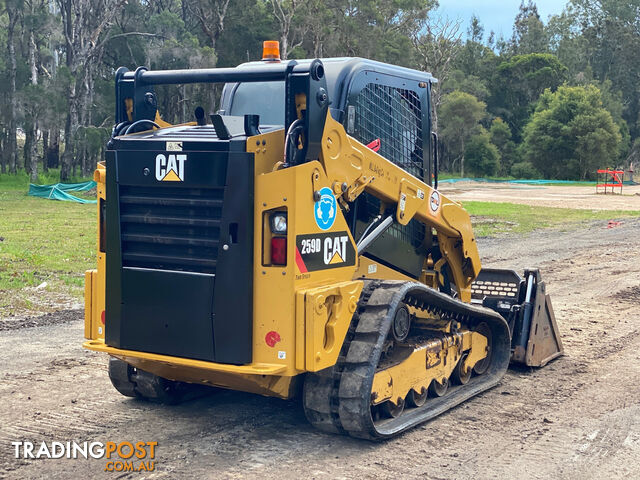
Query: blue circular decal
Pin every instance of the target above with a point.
(325, 209)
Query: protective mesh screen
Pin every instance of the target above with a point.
(394, 116)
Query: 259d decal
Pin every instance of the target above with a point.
(322, 251)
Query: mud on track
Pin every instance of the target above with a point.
(577, 418)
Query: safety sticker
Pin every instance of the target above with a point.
(325, 209)
(434, 201)
(324, 250)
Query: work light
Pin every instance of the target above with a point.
(279, 223)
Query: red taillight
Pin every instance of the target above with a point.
(102, 317)
(279, 251)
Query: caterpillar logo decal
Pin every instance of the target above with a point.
(170, 168)
(324, 250)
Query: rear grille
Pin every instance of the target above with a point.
(170, 228)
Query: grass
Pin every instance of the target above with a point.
(41, 241)
(491, 218)
(54, 242)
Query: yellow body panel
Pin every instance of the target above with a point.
(350, 162)
(328, 311)
(301, 317)
(434, 360)
(94, 285)
(322, 328)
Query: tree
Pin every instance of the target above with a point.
(524, 170)
(291, 33)
(528, 31)
(460, 115)
(517, 84)
(35, 26)
(570, 134)
(437, 43)
(84, 24)
(474, 57)
(482, 156)
(610, 29)
(473, 65)
(13, 8)
(500, 135)
(211, 15)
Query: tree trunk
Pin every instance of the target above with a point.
(12, 144)
(462, 160)
(53, 153)
(45, 150)
(30, 156)
(3, 152)
(33, 161)
(28, 142)
(284, 44)
(70, 129)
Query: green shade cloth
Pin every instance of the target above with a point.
(58, 191)
(527, 182)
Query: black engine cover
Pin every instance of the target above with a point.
(179, 223)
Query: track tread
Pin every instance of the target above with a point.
(347, 397)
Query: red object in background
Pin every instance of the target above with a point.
(272, 338)
(613, 224)
(375, 145)
(102, 317)
(279, 250)
(610, 178)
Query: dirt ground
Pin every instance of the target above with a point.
(577, 418)
(580, 197)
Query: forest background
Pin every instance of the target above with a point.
(557, 99)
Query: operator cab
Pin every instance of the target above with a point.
(384, 106)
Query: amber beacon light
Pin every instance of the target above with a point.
(271, 51)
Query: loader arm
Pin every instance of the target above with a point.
(352, 169)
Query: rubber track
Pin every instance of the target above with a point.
(137, 383)
(337, 399)
(320, 394)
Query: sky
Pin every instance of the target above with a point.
(496, 15)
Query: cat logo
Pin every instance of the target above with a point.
(170, 169)
(324, 250)
(335, 250)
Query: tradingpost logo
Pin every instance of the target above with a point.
(119, 456)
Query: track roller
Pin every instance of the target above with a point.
(417, 399)
(460, 376)
(392, 410)
(481, 367)
(439, 389)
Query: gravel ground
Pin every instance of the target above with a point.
(579, 417)
(580, 197)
